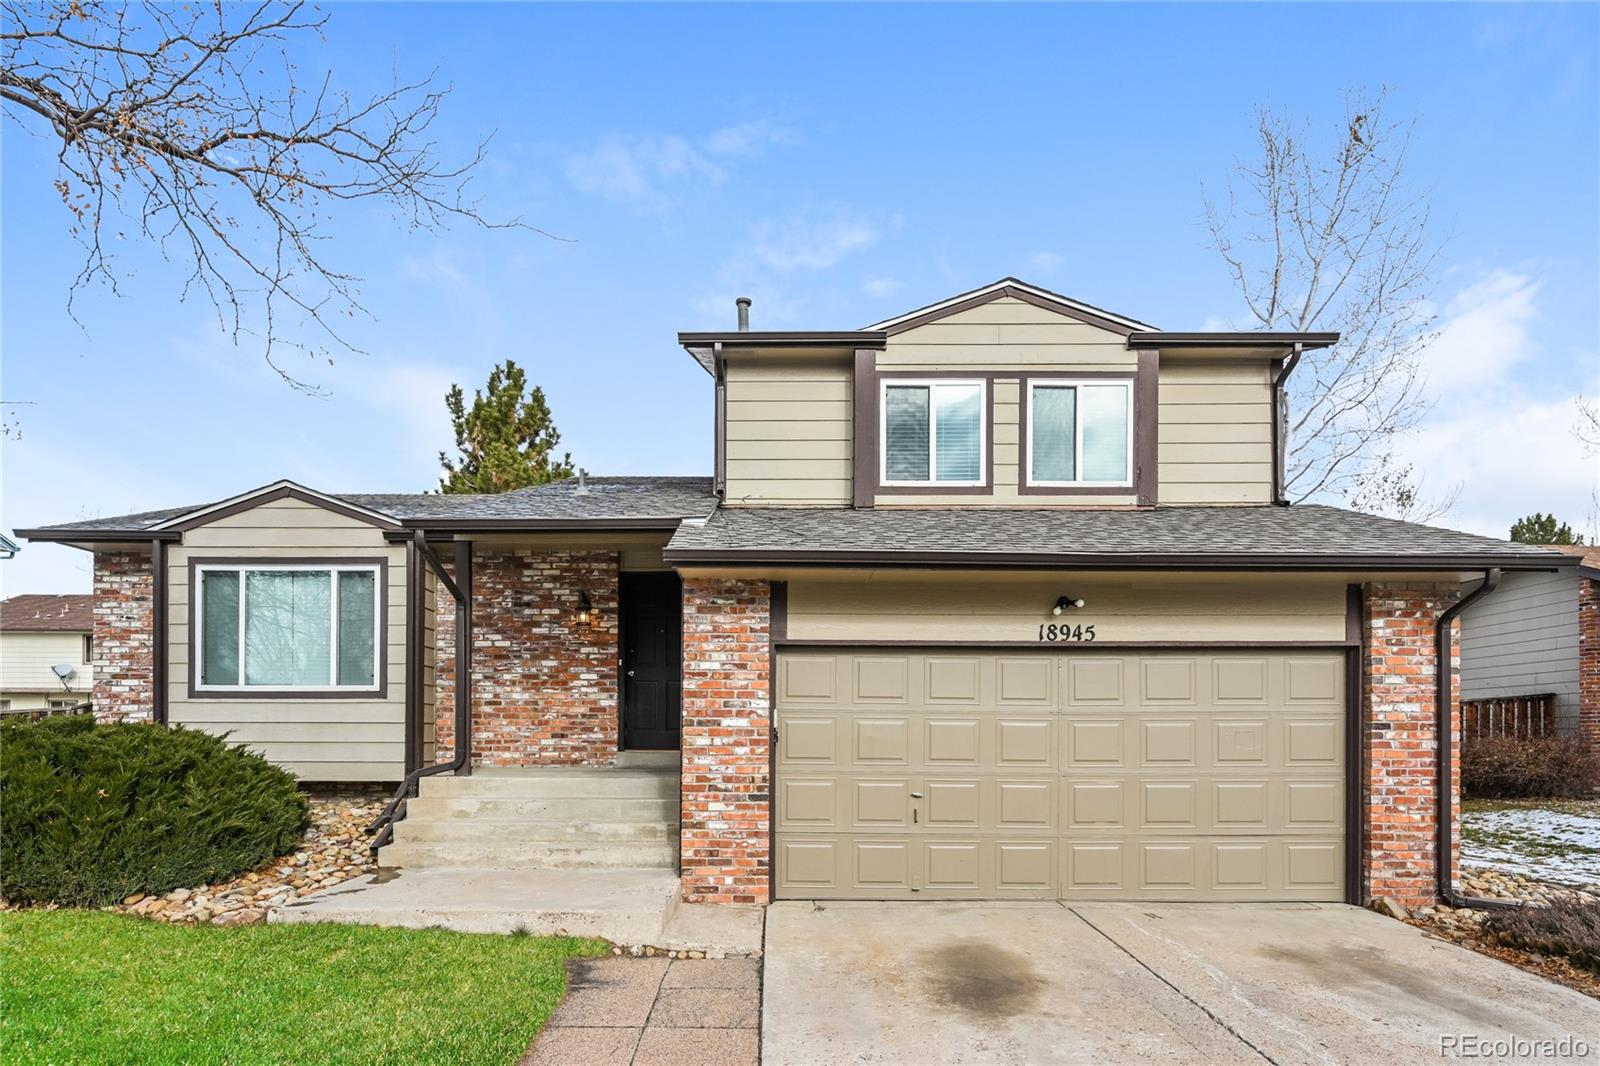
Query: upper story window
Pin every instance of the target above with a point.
(933, 432)
(1080, 433)
(287, 627)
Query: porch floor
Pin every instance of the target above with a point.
(628, 907)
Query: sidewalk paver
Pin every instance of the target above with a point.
(653, 1011)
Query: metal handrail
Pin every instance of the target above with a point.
(383, 824)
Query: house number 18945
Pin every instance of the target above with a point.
(1052, 631)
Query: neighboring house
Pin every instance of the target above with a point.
(994, 599)
(46, 652)
(1539, 635)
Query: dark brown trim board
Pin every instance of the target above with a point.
(751, 338)
(1235, 339)
(1085, 647)
(1061, 305)
(777, 629)
(1355, 753)
(977, 560)
(778, 611)
(1146, 428)
(414, 634)
(206, 515)
(160, 632)
(864, 454)
(380, 670)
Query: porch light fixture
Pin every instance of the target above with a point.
(585, 607)
(1064, 603)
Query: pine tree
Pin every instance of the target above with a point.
(505, 440)
(1543, 529)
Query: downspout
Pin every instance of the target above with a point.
(1444, 724)
(461, 761)
(1280, 425)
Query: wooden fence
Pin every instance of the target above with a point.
(1508, 716)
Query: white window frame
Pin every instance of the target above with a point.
(1126, 385)
(333, 570)
(885, 384)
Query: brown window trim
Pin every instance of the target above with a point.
(380, 670)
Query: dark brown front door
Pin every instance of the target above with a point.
(652, 660)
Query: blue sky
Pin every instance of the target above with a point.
(839, 164)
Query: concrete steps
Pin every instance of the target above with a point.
(552, 818)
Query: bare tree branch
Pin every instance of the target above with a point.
(1329, 238)
(193, 123)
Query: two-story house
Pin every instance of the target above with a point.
(46, 652)
(994, 599)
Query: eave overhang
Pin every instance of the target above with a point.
(1222, 563)
(1268, 342)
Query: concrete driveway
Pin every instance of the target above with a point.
(1110, 983)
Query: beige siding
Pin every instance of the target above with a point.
(1007, 333)
(318, 739)
(980, 608)
(789, 433)
(25, 662)
(1214, 437)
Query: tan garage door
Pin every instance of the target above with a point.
(1079, 775)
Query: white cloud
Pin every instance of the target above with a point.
(640, 171)
(1485, 333)
(632, 172)
(808, 241)
(1502, 436)
(882, 288)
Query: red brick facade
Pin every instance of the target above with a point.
(123, 650)
(1400, 746)
(544, 684)
(727, 734)
(1589, 661)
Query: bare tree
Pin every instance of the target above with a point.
(1587, 425)
(193, 123)
(1326, 236)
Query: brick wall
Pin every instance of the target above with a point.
(727, 791)
(1401, 809)
(544, 687)
(1589, 661)
(123, 647)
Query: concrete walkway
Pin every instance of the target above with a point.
(654, 1012)
(1003, 983)
(629, 907)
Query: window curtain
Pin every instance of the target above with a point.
(357, 623)
(288, 627)
(1052, 421)
(1105, 432)
(958, 423)
(219, 626)
(906, 433)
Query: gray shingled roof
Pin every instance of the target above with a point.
(1302, 532)
(606, 498)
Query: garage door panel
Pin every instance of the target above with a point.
(1085, 775)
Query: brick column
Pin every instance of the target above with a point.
(1401, 746)
(124, 591)
(1589, 661)
(727, 736)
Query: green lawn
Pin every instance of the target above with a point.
(91, 987)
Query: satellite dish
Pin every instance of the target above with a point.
(64, 673)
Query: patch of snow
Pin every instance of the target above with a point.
(1546, 845)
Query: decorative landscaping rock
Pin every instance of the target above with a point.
(333, 851)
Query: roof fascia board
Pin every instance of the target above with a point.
(737, 339)
(1125, 561)
(1017, 290)
(86, 538)
(278, 490)
(1240, 339)
(532, 525)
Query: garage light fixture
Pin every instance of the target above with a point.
(585, 607)
(1065, 603)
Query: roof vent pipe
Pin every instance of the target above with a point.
(583, 482)
(743, 304)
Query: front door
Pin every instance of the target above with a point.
(652, 660)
